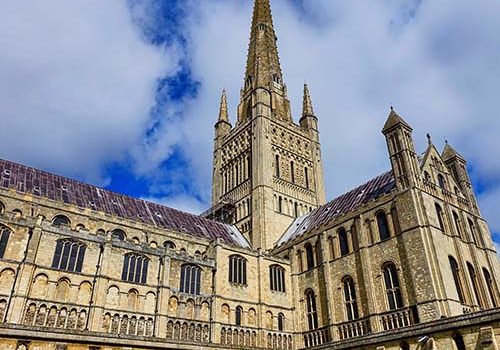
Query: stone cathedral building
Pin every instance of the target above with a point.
(404, 261)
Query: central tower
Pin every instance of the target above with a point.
(267, 166)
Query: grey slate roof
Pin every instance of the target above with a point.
(29, 180)
(341, 205)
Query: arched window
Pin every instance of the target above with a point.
(69, 255)
(135, 268)
(2, 208)
(61, 220)
(395, 221)
(441, 181)
(306, 177)
(427, 177)
(277, 278)
(392, 288)
(404, 346)
(292, 171)
(311, 312)
(300, 260)
(281, 322)
(280, 204)
(351, 305)
(318, 250)
(169, 245)
(472, 231)
(456, 277)
(456, 220)
(343, 241)
(440, 215)
(238, 314)
(475, 286)
(309, 256)
(4, 239)
(237, 269)
(459, 341)
(118, 234)
(190, 279)
(354, 236)
(296, 209)
(277, 165)
(491, 287)
(383, 227)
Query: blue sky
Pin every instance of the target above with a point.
(124, 94)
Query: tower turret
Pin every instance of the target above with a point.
(458, 168)
(398, 134)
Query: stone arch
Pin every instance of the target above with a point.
(251, 318)
(269, 320)
(149, 304)
(133, 300)
(173, 306)
(189, 309)
(6, 280)
(84, 293)
(63, 289)
(225, 313)
(113, 297)
(205, 311)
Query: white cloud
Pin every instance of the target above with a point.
(77, 84)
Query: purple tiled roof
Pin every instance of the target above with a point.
(25, 179)
(341, 205)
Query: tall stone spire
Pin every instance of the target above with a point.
(307, 107)
(223, 114)
(263, 64)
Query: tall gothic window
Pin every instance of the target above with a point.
(491, 287)
(292, 171)
(238, 314)
(459, 341)
(383, 227)
(475, 286)
(392, 288)
(317, 249)
(190, 279)
(135, 268)
(306, 177)
(280, 204)
(61, 220)
(343, 241)
(237, 269)
(472, 231)
(277, 165)
(440, 215)
(277, 278)
(300, 260)
(354, 236)
(456, 220)
(281, 322)
(395, 221)
(441, 182)
(351, 305)
(4, 239)
(456, 277)
(311, 312)
(309, 256)
(69, 255)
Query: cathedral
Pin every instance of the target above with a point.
(403, 261)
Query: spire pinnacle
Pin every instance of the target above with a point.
(394, 120)
(263, 64)
(223, 114)
(307, 107)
